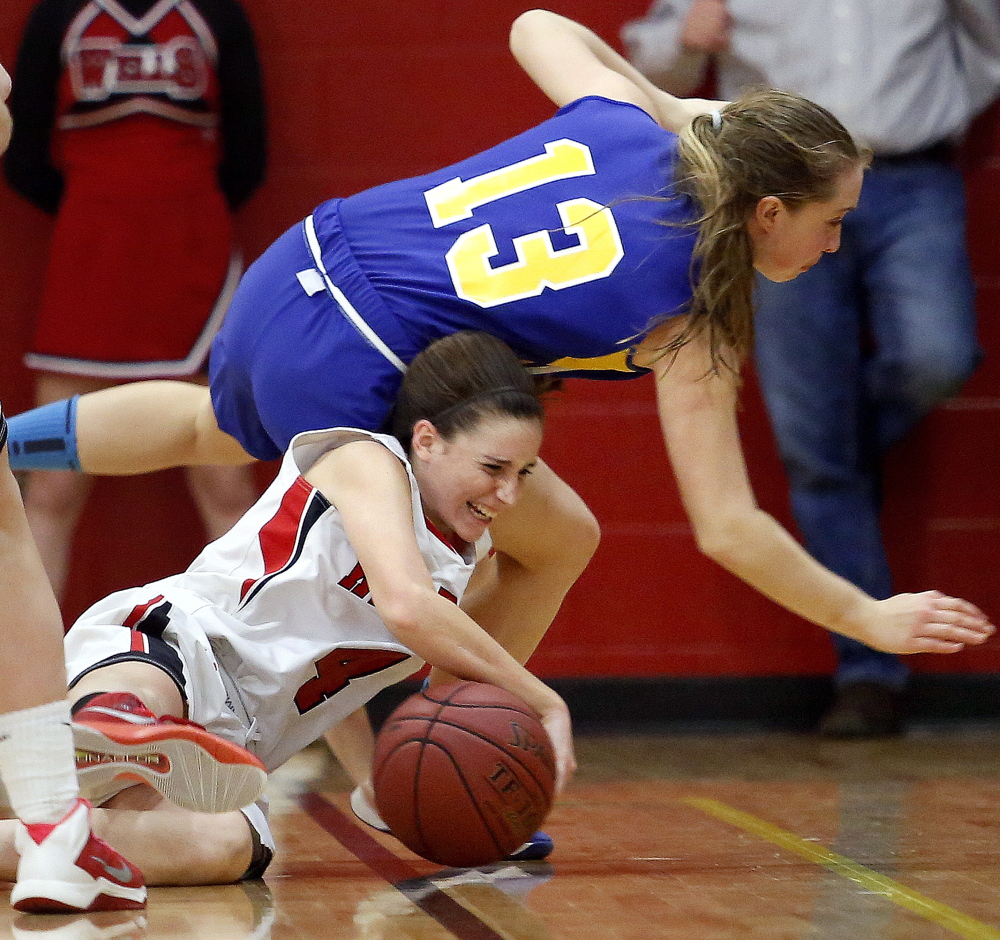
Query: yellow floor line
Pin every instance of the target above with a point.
(913, 901)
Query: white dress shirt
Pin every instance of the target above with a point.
(901, 74)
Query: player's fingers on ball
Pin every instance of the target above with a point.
(569, 764)
(564, 773)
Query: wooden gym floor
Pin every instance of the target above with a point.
(687, 837)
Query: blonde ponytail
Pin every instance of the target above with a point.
(766, 143)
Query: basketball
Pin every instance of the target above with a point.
(464, 773)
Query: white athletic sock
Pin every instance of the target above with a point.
(37, 762)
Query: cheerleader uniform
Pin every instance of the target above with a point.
(128, 120)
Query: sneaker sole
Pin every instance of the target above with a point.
(189, 766)
(56, 897)
(38, 898)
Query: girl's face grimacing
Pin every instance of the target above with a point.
(787, 242)
(467, 480)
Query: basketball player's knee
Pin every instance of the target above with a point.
(226, 854)
(234, 863)
(565, 548)
(579, 536)
(561, 547)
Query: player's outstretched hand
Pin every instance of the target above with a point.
(929, 622)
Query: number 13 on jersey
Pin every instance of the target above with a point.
(539, 264)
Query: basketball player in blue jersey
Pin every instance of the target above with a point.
(59, 865)
(619, 237)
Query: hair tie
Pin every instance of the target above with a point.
(716, 119)
(482, 396)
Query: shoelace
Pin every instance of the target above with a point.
(173, 719)
(181, 721)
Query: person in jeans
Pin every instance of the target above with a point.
(854, 352)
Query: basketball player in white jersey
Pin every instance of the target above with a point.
(342, 579)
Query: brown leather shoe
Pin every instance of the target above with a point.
(864, 710)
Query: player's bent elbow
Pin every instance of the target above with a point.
(723, 541)
(404, 611)
(587, 533)
(528, 30)
(527, 21)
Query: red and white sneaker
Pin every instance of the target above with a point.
(118, 740)
(65, 868)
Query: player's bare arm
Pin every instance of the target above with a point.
(369, 487)
(698, 418)
(568, 61)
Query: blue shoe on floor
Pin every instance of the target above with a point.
(539, 846)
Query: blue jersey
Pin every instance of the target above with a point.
(565, 242)
(549, 241)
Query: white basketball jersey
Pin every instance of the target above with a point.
(284, 603)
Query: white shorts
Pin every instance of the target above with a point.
(210, 702)
(89, 645)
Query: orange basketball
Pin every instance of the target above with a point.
(464, 773)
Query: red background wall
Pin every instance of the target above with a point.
(363, 91)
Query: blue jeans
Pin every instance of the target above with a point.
(853, 353)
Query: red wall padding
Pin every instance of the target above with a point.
(363, 91)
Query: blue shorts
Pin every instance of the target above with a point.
(287, 360)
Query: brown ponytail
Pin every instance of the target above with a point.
(458, 380)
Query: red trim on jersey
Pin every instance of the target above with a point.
(140, 642)
(459, 545)
(278, 536)
(140, 611)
